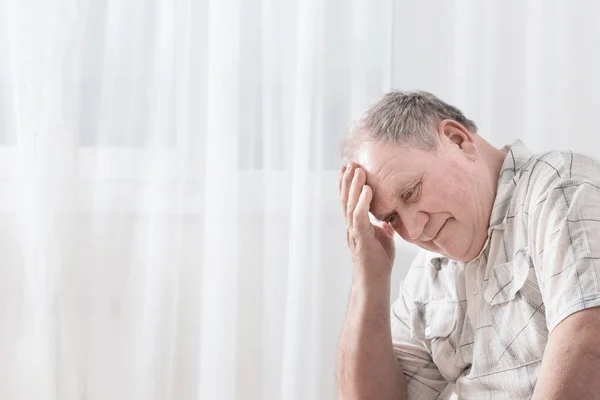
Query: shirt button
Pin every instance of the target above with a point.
(428, 331)
(475, 290)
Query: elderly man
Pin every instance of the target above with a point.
(502, 299)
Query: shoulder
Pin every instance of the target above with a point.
(552, 170)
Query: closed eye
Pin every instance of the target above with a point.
(412, 192)
(390, 218)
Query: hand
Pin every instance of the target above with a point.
(372, 246)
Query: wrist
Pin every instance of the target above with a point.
(369, 279)
(371, 287)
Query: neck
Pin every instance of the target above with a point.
(492, 157)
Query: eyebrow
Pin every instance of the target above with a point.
(396, 193)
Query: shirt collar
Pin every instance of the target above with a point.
(510, 173)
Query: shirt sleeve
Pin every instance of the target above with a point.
(566, 239)
(423, 379)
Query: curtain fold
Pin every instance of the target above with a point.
(169, 219)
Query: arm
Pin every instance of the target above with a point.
(567, 263)
(366, 365)
(571, 364)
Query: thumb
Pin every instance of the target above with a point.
(387, 228)
(385, 233)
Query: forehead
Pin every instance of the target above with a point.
(387, 164)
(390, 169)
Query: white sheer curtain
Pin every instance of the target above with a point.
(169, 223)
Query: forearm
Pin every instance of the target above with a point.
(367, 367)
(562, 379)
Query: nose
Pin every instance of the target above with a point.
(413, 223)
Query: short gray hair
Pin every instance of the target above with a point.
(407, 118)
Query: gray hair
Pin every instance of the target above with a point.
(406, 118)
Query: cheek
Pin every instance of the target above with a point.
(454, 197)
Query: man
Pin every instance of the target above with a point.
(501, 300)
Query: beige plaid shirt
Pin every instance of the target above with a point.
(483, 325)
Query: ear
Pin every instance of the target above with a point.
(453, 133)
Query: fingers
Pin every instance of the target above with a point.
(346, 180)
(356, 187)
(360, 219)
(356, 198)
(341, 179)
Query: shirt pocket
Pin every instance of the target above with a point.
(515, 333)
(434, 319)
(504, 282)
(434, 324)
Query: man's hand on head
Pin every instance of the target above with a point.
(372, 246)
(367, 367)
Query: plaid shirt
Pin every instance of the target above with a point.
(483, 325)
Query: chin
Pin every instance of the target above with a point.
(459, 253)
(453, 256)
